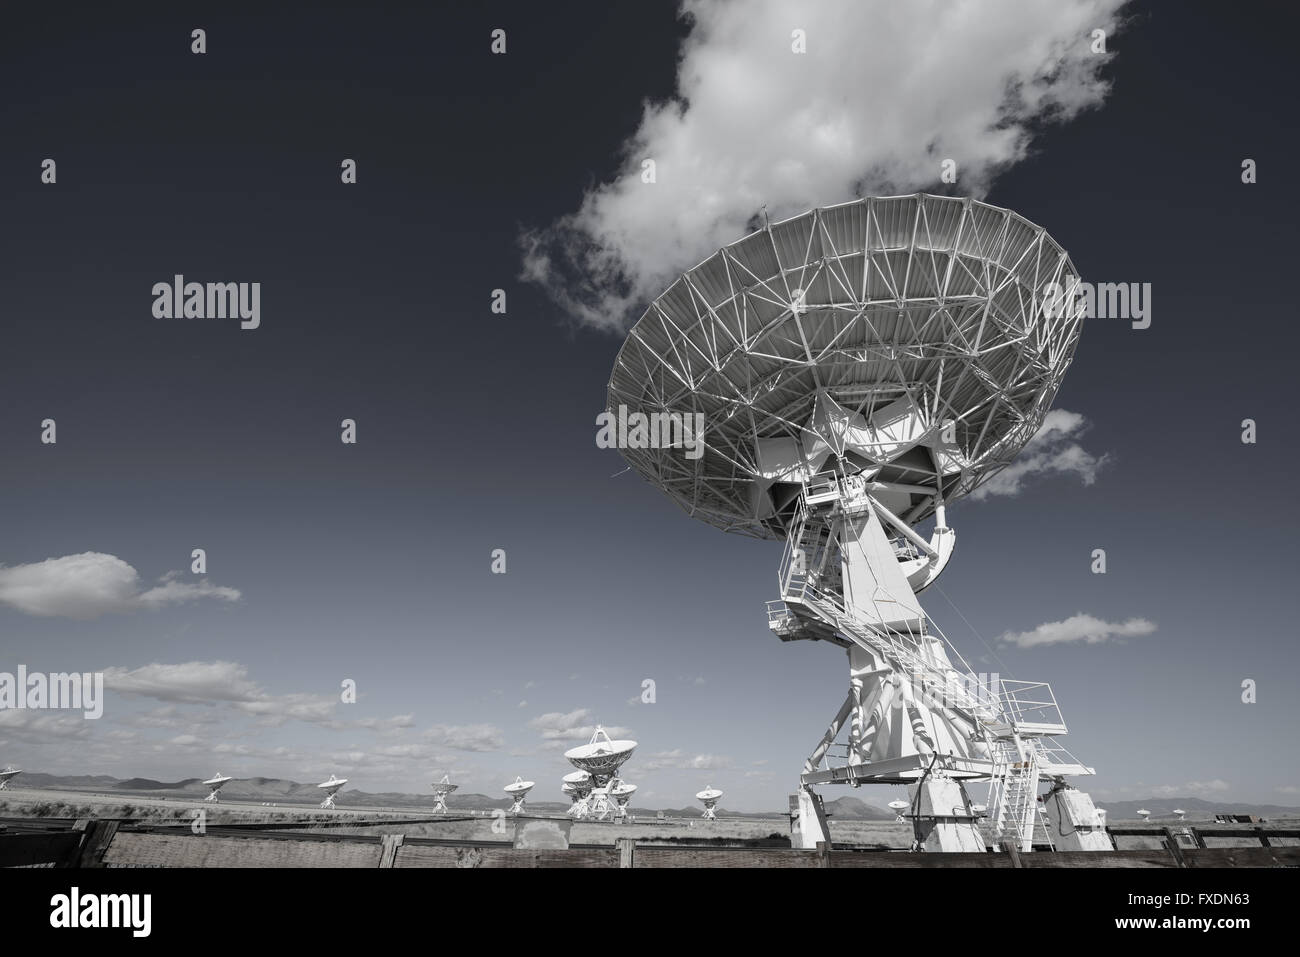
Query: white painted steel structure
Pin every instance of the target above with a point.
(331, 788)
(621, 792)
(578, 785)
(214, 785)
(857, 369)
(9, 773)
(518, 790)
(599, 759)
(709, 797)
(441, 789)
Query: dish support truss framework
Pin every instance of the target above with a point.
(912, 716)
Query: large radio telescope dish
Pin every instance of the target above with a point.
(834, 380)
(905, 336)
(601, 757)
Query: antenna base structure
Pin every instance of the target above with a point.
(835, 380)
(915, 714)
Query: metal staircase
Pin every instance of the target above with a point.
(1017, 813)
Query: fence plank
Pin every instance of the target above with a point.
(1243, 857)
(103, 844)
(910, 859)
(58, 848)
(723, 857)
(186, 850)
(424, 855)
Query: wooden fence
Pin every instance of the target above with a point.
(91, 843)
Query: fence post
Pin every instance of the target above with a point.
(626, 851)
(390, 844)
(99, 834)
(1171, 841)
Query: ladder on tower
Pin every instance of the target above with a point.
(1018, 814)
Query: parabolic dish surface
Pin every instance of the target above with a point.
(903, 337)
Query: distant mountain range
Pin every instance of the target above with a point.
(1197, 809)
(281, 791)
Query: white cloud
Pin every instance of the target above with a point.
(1052, 450)
(558, 724)
(396, 723)
(467, 737)
(92, 584)
(1080, 627)
(562, 730)
(228, 683)
(884, 93)
(29, 724)
(190, 681)
(680, 760)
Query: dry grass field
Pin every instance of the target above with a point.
(35, 802)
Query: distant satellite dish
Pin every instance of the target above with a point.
(518, 791)
(621, 792)
(578, 785)
(577, 781)
(331, 788)
(709, 797)
(1180, 812)
(8, 774)
(898, 807)
(1143, 813)
(600, 758)
(214, 785)
(440, 791)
